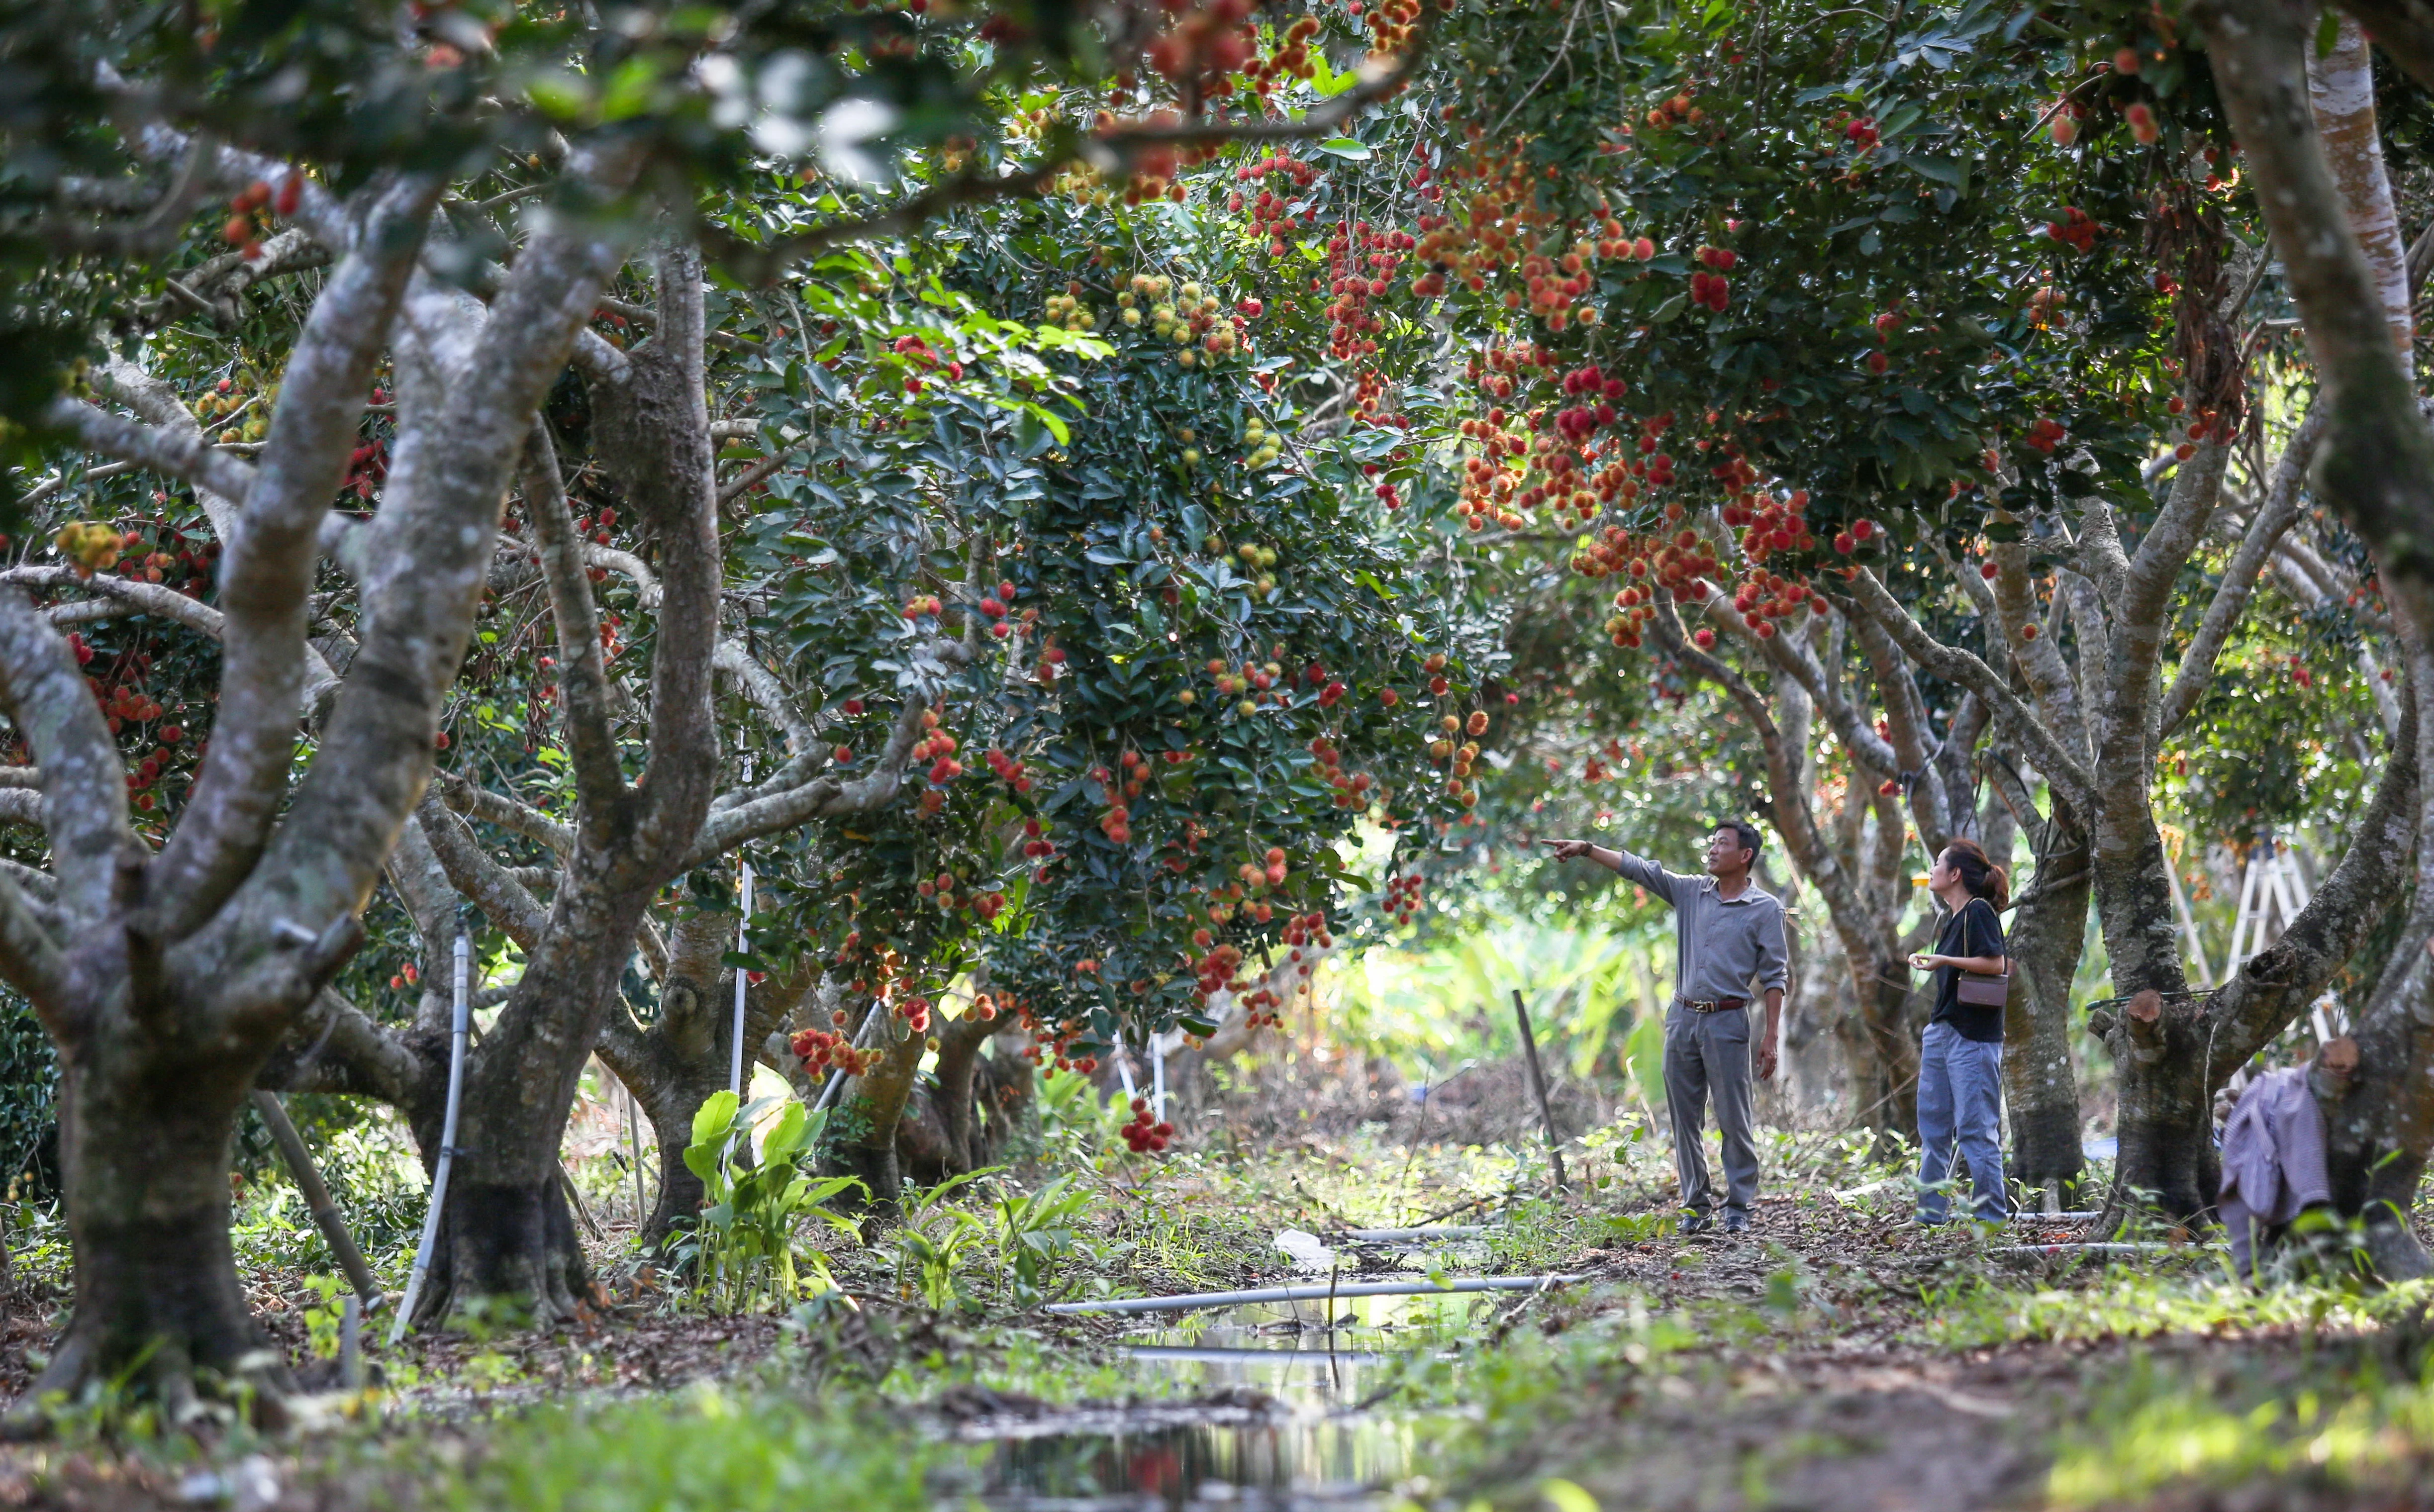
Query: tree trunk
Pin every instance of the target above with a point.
(686, 1055)
(2167, 1160)
(959, 1053)
(2341, 92)
(2380, 1124)
(2165, 1123)
(507, 1232)
(1005, 1099)
(861, 1134)
(1889, 1096)
(144, 1153)
(2046, 937)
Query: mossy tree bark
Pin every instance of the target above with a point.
(169, 980)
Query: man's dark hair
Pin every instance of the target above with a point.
(1745, 832)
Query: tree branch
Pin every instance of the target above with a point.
(2040, 660)
(267, 570)
(767, 693)
(1906, 717)
(1955, 665)
(667, 472)
(2376, 465)
(470, 872)
(582, 673)
(2273, 519)
(431, 549)
(824, 798)
(186, 457)
(84, 783)
(492, 808)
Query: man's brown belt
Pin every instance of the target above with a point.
(1719, 1006)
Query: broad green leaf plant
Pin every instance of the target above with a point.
(743, 1254)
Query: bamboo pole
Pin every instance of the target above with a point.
(1538, 1087)
(323, 1207)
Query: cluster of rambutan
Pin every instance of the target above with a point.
(1145, 1135)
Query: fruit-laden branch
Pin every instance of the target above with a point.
(185, 457)
(1953, 664)
(2376, 465)
(266, 570)
(1112, 150)
(1791, 656)
(128, 595)
(830, 796)
(582, 670)
(2273, 519)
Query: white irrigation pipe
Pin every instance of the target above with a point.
(1158, 1079)
(1313, 1292)
(743, 947)
(861, 1041)
(1212, 1355)
(2106, 1247)
(460, 1026)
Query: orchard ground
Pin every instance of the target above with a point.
(1837, 1357)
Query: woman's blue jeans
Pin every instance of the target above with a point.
(1959, 1102)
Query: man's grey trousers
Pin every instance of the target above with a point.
(1710, 1053)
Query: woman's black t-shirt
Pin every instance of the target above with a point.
(1972, 931)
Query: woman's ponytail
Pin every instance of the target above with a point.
(1978, 873)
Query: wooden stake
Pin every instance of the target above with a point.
(1538, 1086)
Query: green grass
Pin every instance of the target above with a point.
(716, 1448)
(2140, 1302)
(2165, 1433)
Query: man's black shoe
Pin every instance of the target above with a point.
(1737, 1222)
(1693, 1223)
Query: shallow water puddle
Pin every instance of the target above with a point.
(1250, 1406)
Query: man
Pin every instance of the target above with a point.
(1728, 932)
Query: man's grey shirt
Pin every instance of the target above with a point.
(1721, 945)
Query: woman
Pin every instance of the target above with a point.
(1961, 1058)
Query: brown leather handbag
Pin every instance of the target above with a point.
(1986, 991)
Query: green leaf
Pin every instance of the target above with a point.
(785, 1136)
(2328, 31)
(1953, 171)
(714, 1118)
(1344, 147)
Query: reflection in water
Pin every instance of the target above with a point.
(1287, 1423)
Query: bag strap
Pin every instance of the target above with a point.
(2005, 974)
